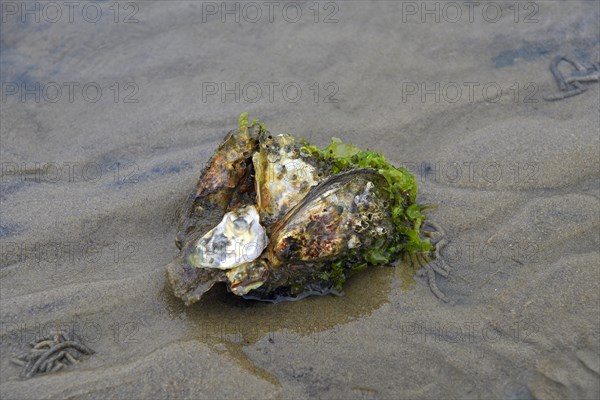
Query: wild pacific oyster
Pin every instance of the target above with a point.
(327, 214)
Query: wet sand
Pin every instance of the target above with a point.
(514, 178)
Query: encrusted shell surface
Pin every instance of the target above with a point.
(347, 211)
(283, 175)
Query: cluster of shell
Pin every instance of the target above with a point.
(267, 219)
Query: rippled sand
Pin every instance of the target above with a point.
(515, 180)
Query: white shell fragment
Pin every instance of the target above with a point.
(239, 238)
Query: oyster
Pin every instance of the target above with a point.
(348, 211)
(277, 219)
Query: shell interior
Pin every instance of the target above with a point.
(239, 238)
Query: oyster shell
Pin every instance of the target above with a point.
(284, 175)
(277, 219)
(222, 182)
(349, 210)
(239, 238)
(248, 277)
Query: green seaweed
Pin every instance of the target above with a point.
(243, 120)
(406, 212)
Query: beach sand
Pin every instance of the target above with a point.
(91, 191)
